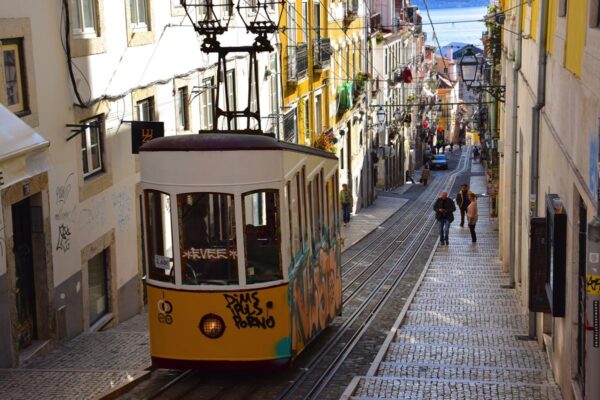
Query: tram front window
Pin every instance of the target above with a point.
(263, 242)
(207, 239)
(159, 236)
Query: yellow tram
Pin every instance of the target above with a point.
(242, 249)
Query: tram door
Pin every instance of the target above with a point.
(26, 329)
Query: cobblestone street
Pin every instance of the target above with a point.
(458, 338)
(82, 368)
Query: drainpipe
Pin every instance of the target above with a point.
(535, 129)
(513, 151)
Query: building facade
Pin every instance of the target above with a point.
(549, 176)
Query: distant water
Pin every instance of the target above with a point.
(457, 31)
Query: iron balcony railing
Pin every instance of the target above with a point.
(322, 52)
(297, 64)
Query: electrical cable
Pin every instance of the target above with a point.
(67, 47)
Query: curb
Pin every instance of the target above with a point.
(125, 386)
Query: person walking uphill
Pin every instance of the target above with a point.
(346, 202)
(425, 175)
(472, 214)
(462, 201)
(444, 212)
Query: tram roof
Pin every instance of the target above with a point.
(227, 142)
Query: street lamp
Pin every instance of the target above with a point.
(471, 66)
(381, 116)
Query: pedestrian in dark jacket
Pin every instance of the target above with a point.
(425, 175)
(444, 213)
(462, 201)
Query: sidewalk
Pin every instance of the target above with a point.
(93, 364)
(457, 338)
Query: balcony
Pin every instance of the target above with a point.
(351, 11)
(322, 53)
(297, 62)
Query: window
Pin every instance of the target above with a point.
(562, 8)
(290, 31)
(304, 208)
(290, 127)
(159, 236)
(296, 232)
(207, 239)
(182, 109)
(274, 89)
(145, 109)
(227, 9)
(231, 94)
(300, 207)
(207, 100)
(91, 146)
(316, 203)
(317, 19)
(262, 237)
(385, 62)
(306, 122)
(138, 15)
(98, 286)
(14, 75)
(304, 22)
(318, 114)
(253, 6)
(83, 18)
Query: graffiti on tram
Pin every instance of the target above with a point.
(316, 295)
(247, 311)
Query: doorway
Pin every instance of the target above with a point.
(581, 297)
(26, 328)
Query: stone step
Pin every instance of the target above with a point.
(473, 356)
(457, 301)
(497, 294)
(371, 388)
(468, 309)
(465, 320)
(475, 338)
(461, 372)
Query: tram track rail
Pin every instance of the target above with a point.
(351, 328)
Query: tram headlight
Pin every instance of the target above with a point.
(212, 326)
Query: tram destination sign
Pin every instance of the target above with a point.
(143, 132)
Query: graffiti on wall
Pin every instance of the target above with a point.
(62, 196)
(247, 311)
(64, 238)
(93, 215)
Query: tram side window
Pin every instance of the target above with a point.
(207, 238)
(262, 236)
(297, 214)
(304, 206)
(330, 207)
(159, 236)
(317, 210)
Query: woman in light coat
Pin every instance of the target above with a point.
(472, 214)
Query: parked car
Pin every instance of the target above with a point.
(439, 161)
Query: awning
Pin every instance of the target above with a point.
(23, 151)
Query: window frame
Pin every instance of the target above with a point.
(140, 103)
(304, 16)
(147, 237)
(207, 102)
(278, 238)
(231, 94)
(15, 45)
(137, 25)
(182, 109)
(86, 139)
(77, 20)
